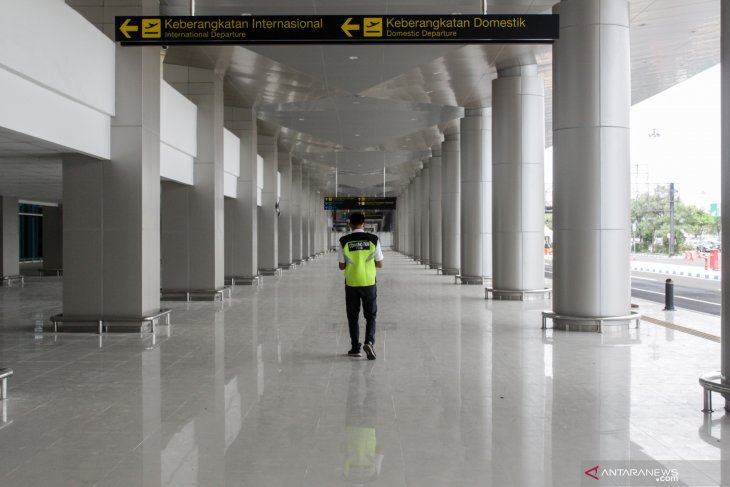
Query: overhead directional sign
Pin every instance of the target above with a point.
(337, 29)
(359, 203)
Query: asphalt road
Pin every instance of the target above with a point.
(696, 294)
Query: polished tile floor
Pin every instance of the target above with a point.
(257, 391)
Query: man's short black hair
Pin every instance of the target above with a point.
(357, 219)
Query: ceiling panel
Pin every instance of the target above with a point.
(408, 95)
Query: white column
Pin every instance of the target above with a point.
(519, 181)
(111, 210)
(9, 237)
(417, 210)
(413, 214)
(192, 216)
(591, 203)
(725, 137)
(450, 204)
(434, 208)
(268, 221)
(241, 213)
(306, 185)
(285, 210)
(296, 212)
(476, 193)
(425, 215)
(313, 221)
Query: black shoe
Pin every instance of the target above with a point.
(369, 351)
(354, 353)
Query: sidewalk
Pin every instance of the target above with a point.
(673, 267)
(687, 321)
(664, 265)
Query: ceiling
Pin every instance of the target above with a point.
(372, 113)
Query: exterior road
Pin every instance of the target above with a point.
(696, 294)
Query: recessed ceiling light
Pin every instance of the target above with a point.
(353, 58)
(357, 135)
(413, 119)
(408, 138)
(355, 102)
(301, 119)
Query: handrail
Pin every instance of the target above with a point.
(709, 385)
(60, 318)
(4, 374)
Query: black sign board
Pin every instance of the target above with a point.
(361, 203)
(336, 29)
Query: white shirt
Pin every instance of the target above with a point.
(378, 250)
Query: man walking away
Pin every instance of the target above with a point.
(360, 254)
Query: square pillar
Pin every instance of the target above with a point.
(241, 213)
(268, 232)
(192, 216)
(9, 237)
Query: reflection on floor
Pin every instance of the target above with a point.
(257, 391)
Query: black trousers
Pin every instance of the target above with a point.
(369, 297)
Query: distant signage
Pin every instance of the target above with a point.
(715, 209)
(359, 203)
(336, 29)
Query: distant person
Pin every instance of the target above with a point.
(360, 254)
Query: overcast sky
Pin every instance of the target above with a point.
(684, 146)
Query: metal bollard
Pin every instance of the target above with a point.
(668, 295)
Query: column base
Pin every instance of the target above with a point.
(434, 266)
(468, 279)
(195, 294)
(288, 267)
(518, 295)
(446, 271)
(298, 262)
(11, 280)
(592, 323)
(50, 272)
(270, 272)
(246, 281)
(101, 323)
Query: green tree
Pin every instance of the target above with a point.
(650, 220)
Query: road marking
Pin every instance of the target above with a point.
(644, 278)
(676, 297)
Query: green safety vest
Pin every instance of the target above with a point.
(359, 249)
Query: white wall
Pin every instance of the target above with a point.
(178, 135)
(56, 76)
(231, 163)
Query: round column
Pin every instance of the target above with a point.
(476, 195)
(406, 221)
(450, 205)
(591, 202)
(518, 171)
(417, 185)
(425, 214)
(434, 209)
